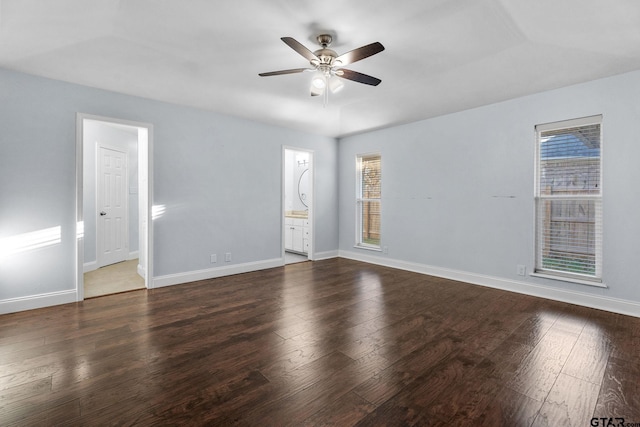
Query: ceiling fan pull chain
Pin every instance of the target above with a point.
(326, 96)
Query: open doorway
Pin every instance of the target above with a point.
(113, 206)
(298, 205)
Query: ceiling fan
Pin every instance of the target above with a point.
(326, 64)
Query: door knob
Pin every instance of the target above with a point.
(103, 213)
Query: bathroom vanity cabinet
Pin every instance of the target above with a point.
(296, 234)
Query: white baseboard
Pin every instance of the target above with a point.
(615, 305)
(140, 270)
(319, 256)
(211, 273)
(89, 266)
(13, 305)
(133, 255)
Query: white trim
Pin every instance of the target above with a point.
(140, 271)
(311, 255)
(571, 123)
(368, 247)
(539, 198)
(596, 283)
(133, 255)
(212, 273)
(615, 305)
(90, 266)
(13, 305)
(359, 201)
(326, 255)
(79, 256)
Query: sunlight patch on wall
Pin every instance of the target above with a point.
(157, 211)
(80, 230)
(29, 241)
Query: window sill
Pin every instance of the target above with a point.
(570, 279)
(368, 248)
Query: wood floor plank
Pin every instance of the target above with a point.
(282, 387)
(508, 408)
(346, 411)
(333, 342)
(53, 416)
(589, 357)
(537, 374)
(391, 380)
(411, 405)
(303, 404)
(468, 398)
(65, 406)
(21, 391)
(569, 403)
(620, 392)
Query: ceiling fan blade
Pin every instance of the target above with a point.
(277, 73)
(359, 53)
(358, 77)
(298, 47)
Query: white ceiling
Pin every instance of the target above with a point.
(441, 55)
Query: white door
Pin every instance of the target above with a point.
(112, 221)
(288, 236)
(298, 244)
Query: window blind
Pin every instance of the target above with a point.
(370, 176)
(569, 198)
(368, 200)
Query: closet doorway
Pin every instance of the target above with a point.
(298, 198)
(113, 205)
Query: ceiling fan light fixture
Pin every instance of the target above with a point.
(316, 91)
(335, 85)
(319, 81)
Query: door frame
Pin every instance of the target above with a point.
(312, 179)
(145, 150)
(99, 235)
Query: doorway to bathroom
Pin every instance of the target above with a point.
(297, 233)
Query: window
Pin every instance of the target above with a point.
(569, 199)
(368, 201)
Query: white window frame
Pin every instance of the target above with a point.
(360, 201)
(539, 270)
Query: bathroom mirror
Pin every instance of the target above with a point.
(303, 187)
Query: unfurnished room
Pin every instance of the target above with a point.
(296, 213)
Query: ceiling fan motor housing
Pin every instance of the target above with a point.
(324, 40)
(325, 55)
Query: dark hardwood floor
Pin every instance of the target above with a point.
(333, 342)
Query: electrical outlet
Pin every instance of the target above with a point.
(214, 258)
(385, 249)
(227, 257)
(522, 270)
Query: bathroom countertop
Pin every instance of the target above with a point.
(296, 214)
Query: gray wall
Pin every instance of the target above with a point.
(457, 190)
(218, 176)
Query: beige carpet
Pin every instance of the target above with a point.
(112, 279)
